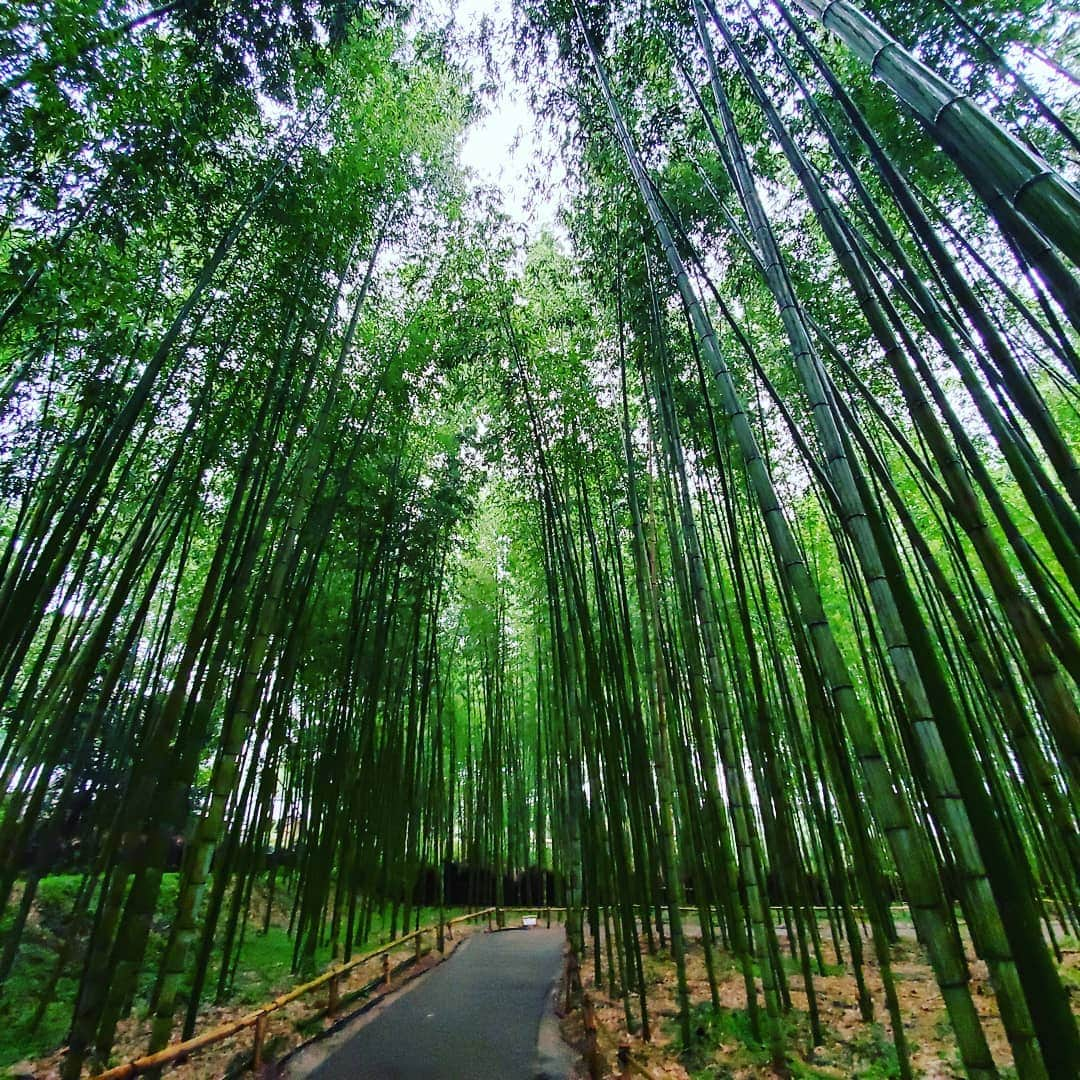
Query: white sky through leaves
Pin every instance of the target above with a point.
(504, 148)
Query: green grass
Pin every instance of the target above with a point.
(806, 1071)
(46, 929)
(873, 1054)
(1070, 976)
(793, 966)
(713, 1030)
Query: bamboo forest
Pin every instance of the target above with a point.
(696, 566)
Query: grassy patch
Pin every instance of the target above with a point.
(793, 966)
(26, 1032)
(805, 1070)
(873, 1055)
(727, 1033)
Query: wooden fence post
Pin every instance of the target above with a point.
(332, 1005)
(386, 969)
(592, 1049)
(260, 1035)
(419, 940)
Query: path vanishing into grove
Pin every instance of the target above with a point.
(484, 1014)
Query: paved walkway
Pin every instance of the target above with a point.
(478, 1016)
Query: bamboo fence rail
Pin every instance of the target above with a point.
(258, 1018)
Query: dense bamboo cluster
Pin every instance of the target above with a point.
(353, 560)
(950, 639)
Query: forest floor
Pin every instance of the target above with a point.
(725, 1049)
(264, 971)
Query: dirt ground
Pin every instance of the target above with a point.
(851, 1048)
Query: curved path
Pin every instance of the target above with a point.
(484, 1014)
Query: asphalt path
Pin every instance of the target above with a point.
(484, 1014)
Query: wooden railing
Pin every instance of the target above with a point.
(331, 979)
(258, 1019)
